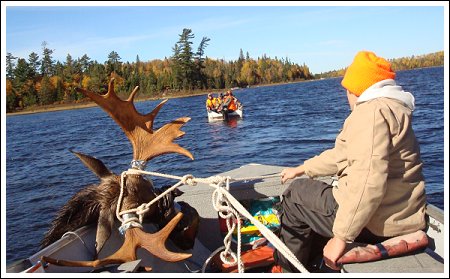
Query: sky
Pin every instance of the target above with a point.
(323, 35)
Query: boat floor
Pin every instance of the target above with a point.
(210, 238)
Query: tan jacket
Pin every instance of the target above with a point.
(377, 159)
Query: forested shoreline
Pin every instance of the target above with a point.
(399, 64)
(39, 81)
(42, 81)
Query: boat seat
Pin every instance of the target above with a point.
(425, 261)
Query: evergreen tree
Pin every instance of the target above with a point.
(34, 63)
(241, 56)
(201, 48)
(10, 65)
(187, 65)
(199, 75)
(85, 63)
(176, 67)
(240, 61)
(98, 78)
(23, 84)
(47, 63)
(22, 72)
(68, 69)
(138, 64)
(113, 64)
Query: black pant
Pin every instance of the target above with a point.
(308, 213)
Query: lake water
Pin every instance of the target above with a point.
(282, 125)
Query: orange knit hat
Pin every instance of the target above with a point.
(367, 69)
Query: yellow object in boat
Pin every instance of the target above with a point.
(266, 220)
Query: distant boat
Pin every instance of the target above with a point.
(218, 116)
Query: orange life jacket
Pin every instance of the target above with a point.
(232, 104)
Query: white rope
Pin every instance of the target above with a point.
(271, 237)
(222, 196)
(119, 200)
(232, 218)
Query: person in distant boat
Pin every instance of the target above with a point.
(217, 102)
(210, 103)
(229, 102)
(380, 191)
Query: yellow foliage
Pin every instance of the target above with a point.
(9, 87)
(76, 79)
(118, 80)
(54, 81)
(85, 81)
(37, 86)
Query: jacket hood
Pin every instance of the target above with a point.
(387, 88)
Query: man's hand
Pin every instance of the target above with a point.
(333, 251)
(291, 173)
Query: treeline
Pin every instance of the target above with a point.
(400, 64)
(38, 81)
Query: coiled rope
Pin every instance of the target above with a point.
(228, 207)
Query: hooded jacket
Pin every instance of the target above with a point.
(377, 160)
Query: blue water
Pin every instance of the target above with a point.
(282, 125)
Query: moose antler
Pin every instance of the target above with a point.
(138, 128)
(146, 144)
(134, 238)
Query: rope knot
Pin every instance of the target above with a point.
(188, 179)
(216, 180)
(141, 210)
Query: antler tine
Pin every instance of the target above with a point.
(138, 128)
(151, 116)
(134, 238)
(164, 136)
(131, 98)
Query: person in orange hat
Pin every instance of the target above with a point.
(380, 190)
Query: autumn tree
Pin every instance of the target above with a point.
(24, 85)
(11, 98)
(47, 94)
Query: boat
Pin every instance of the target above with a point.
(218, 116)
(249, 182)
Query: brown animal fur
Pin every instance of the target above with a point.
(97, 203)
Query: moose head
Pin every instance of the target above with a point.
(98, 203)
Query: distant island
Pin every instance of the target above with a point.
(39, 83)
